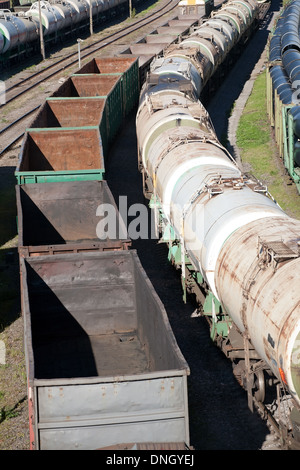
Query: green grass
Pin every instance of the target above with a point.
(259, 151)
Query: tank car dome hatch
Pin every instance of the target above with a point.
(206, 48)
(177, 67)
(94, 5)
(275, 48)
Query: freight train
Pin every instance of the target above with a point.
(237, 250)
(103, 366)
(237, 261)
(194, 7)
(283, 88)
(20, 32)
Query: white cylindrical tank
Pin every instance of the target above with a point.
(246, 248)
(219, 37)
(183, 158)
(248, 6)
(240, 11)
(52, 20)
(12, 29)
(158, 113)
(94, 5)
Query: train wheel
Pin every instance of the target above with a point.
(259, 386)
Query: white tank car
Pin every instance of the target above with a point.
(240, 241)
(52, 19)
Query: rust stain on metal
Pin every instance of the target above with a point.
(267, 348)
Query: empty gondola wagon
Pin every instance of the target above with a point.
(103, 365)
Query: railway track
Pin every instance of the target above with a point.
(14, 131)
(70, 60)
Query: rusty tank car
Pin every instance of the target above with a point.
(237, 249)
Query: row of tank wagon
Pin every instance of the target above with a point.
(283, 87)
(61, 162)
(237, 250)
(20, 31)
(102, 362)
